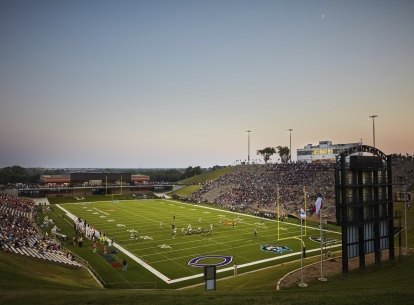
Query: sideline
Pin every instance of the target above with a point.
(126, 252)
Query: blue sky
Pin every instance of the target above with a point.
(177, 83)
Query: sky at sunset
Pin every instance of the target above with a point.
(144, 84)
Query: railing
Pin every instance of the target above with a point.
(77, 257)
(132, 285)
(88, 266)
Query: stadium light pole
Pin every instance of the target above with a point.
(373, 126)
(248, 146)
(290, 144)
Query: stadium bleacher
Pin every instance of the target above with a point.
(253, 188)
(18, 236)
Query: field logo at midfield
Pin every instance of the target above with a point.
(275, 249)
(195, 262)
(326, 241)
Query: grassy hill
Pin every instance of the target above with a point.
(193, 184)
(20, 272)
(186, 191)
(208, 176)
(25, 280)
(390, 283)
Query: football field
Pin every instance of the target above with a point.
(175, 240)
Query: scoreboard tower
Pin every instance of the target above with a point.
(364, 203)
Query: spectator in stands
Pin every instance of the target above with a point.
(253, 189)
(18, 235)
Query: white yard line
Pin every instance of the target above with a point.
(69, 214)
(252, 216)
(143, 264)
(102, 212)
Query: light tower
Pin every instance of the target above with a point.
(290, 144)
(373, 126)
(248, 146)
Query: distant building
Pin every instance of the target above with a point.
(87, 183)
(324, 152)
(53, 180)
(93, 179)
(100, 178)
(140, 179)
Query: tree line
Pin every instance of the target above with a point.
(17, 174)
(282, 151)
(172, 175)
(406, 157)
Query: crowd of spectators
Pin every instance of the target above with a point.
(17, 233)
(15, 220)
(403, 168)
(255, 188)
(9, 203)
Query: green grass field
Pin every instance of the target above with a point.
(155, 245)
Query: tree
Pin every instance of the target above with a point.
(284, 153)
(192, 171)
(266, 153)
(162, 175)
(14, 174)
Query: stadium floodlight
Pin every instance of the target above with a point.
(248, 146)
(290, 144)
(373, 126)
